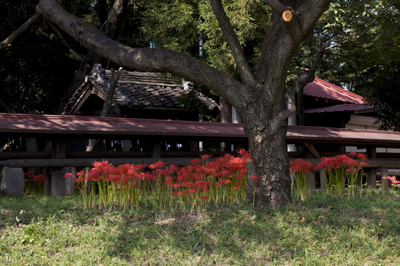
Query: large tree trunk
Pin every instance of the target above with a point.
(266, 132)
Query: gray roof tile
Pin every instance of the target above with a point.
(140, 89)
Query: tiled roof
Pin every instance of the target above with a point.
(340, 108)
(322, 89)
(140, 90)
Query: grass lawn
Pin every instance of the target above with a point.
(344, 230)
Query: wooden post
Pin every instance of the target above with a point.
(239, 146)
(371, 177)
(126, 145)
(58, 186)
(194, 146)
(385, 183)
(156, 150)
(88, 183)
(371, 172)
(359, 179)
(311, 180)
(47, 184)
(322, 179)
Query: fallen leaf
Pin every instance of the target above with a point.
(302, 219)
(381, 223)
(334, 238)
(21, 212)
(198, 258)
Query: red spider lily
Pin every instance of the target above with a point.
(300, 166)
(391, 178)
(205, 197)
(157, 165)
(362, 164)
(80, 173)
(253, 178)
(29, 174)
(173, 168)
(205, 156)
(67, 175)
(34, 184)
(195, 161)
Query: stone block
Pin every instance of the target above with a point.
(12, 181)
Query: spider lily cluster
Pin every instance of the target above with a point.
(34, 184)
(189, 187)
(338, 171)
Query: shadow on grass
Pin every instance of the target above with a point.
(236, 231)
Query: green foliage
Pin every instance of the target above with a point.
(249, 19)
(36, 69)
(34, 74)
(179, 25)
(172, 24)
(382, 91)
(356, 36)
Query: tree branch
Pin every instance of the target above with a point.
(304, 78)
(110, 92)
(285, 114)
(114, 18)
(278, 47)
(59, 34)
(7, 42)
(279, 8)
(143, 59)
(230, 35)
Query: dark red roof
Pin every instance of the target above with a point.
(322, 89)
(341, 108)
(88, 127)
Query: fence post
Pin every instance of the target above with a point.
(311, 180)
(58, 186)
(322, 179)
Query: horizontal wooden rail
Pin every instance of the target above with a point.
(88, 162)
(373, 163)
(110, 154)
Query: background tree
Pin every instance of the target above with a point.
(382, 91)
(350, 38)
